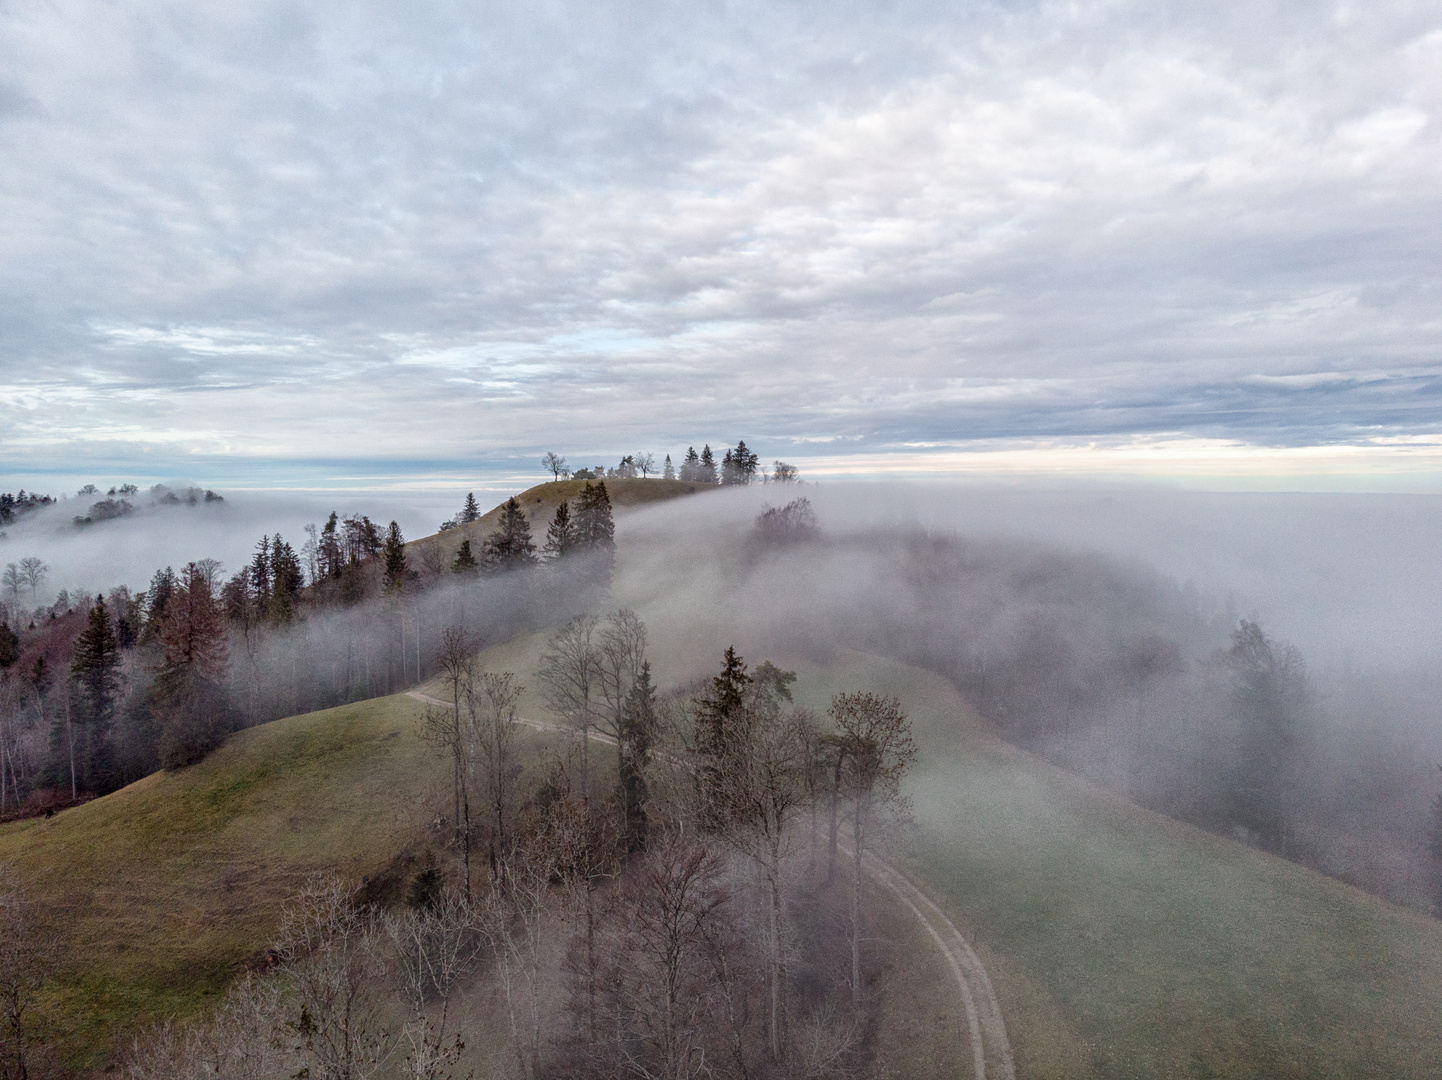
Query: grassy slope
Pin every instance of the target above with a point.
(1128, 945)
(540, 504)
(1122, 944)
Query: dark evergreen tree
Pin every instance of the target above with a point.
(721, 733)
(743, 463)
(668, 471)
(9, 646)
(560, 535)
(691, 466)
(510, 547)
(95, 665)
(331, 558)
(637, 731)
(470, 512)
(395, 557)
(162, 587)
(706, 469)
(260, 576)
(192, 713)
(465, 563)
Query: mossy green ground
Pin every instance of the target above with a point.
(1122, 944)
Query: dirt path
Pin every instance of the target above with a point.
(990, 1047)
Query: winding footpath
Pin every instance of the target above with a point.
(990, 1047)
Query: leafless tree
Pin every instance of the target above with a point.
(570, 678)
(490, 737)
(620, 647)
(331, 951)
(435, 947)
(446, 728)
(782, 473)
(645, 462)
(875, 737)
(237, 1043)
(24, 958)
(554, 464)
(33, 570)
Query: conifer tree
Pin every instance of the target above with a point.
(95, 664)
(190, 703)
(260, 574)
(594, 527)
(395, 557)
(691, 466)
(744, 463)
(510, 547)
(162, 588)
(331, 560)
(560, 535)
(637, 731)
(706, 470)
(668, 471)
(471, 511)
(465, 563)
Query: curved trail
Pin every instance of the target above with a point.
(990, 1047)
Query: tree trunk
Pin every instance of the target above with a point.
(835, 803)
(778, 965)
(856, 838)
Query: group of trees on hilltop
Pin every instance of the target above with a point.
(581, 544)
(738, 466)
(694, 908)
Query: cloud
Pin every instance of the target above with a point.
(278, 235)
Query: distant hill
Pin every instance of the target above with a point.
(437, 550)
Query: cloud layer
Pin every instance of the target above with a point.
(389, 241)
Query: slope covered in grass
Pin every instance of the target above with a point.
(540, 504)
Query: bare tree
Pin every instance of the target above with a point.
(782, 473)
(645, 462)
(435, 947)
(446, 728)
(876, 739)
(33, 570)
(570, 675)
(24, 959)
(237, 1043)
(330, 949)
(620, 648)
(554, 464)
(11, 581)
(490, 737)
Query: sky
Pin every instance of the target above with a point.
(369, 245)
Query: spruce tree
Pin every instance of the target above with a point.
(471, 511)
(260, 574)
(706, 471)
(465, 563)
(95, 664)
(729, 475)
(744, 463)
(510, 547)
(395, 557)
(637, 731)
(668, 471)
(190, 704)
(720, 736)
(162, 587)
(691, 466)
(594, 527)
(9, 646)
(560, 535)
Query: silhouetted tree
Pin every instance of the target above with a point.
(668, 471)
(691, 466)
(510, 547)
(395, 557)
(465, 563)
(192, 712)
(706, 468)
(470, 510)
(560, 535)
(95, 664)
(554, 464)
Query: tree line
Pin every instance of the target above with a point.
(638, 901)
(739, 465)
(96, 694)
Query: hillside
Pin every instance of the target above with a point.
(540, 502)
(1122, 944)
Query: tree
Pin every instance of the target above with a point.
(691, 466)
(782, 473)
(645, 463)
(621, 658)
(788, 524)
(34, 570)
(189, 699)
(12, 581)
(331, 559)
(633, 755)
(743, 463)
(465, 563)
(877, 749)
(95, 664)
(510, 547)
(668, 471)
(395, 557)
(1270, 697)
(470, 511)
(570, 675)
(445, 728)
(163, 587)
(553, 464)
(25, 958)
(9, 646)
(706, 467)
(560, 535)
(490, 733)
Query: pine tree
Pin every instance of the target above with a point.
(331, 560)
(668, 471)
(190, 703)
(560, 535)
(395, 557)
(744, 463)
(162, 587)
(510, 547)
(260, 574)
(637, 731)
(729, 475)
(706, 472)
(471, 511)
(95, 664)
(720, 735)
(465, 563)
(691, 466)
(594, 527)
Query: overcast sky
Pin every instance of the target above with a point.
(375, 243)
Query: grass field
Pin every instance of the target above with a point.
(1122, 944)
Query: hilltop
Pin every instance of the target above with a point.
(540, 503)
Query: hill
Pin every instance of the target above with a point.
(539, 503)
